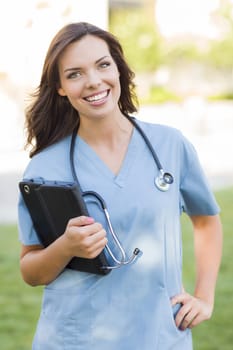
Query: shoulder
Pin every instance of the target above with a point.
(53, 152)
(49, 158)
(169, 142)
(160, 131)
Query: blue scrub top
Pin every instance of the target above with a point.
(130, 307)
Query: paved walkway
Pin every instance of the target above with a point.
(209, 127)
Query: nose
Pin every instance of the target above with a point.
(93, 79)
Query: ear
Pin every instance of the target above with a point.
(61, 92)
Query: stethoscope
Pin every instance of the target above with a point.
(162, 182)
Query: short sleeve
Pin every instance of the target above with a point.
(51, 163)
(27, 234)
(197, 197)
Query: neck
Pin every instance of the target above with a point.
(109, 139)
(105, 130)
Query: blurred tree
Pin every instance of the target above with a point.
(220, 53)
(138, 35)
(147, 52)
(181, 52)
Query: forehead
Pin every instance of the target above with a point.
(88, 49)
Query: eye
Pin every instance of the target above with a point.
(74, 75)
(105, 64)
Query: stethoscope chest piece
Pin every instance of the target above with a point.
(163, 181)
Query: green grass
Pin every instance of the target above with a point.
(217, 333)
(20, 304)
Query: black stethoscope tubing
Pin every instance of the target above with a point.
(167, 178)
(163, 182)
(147, 141)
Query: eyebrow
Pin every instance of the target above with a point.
(78, 68)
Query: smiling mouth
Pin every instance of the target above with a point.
(97, 97)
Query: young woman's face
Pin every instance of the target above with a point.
(89, 78)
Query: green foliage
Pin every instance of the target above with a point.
(159, 94)
(20, 304)
(220, 53)
(139, 38)
(220, 97)
(181, 53)
(146, 49)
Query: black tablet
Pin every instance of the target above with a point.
(51, 205)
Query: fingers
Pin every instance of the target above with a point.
(86, 237)
(80, 221)
(185, 316)
(192, 312)
(91, 245)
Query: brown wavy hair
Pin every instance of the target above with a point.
(50, 117)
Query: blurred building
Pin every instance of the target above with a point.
(116, 4)
(27, 27)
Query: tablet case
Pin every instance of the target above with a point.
(51, 204)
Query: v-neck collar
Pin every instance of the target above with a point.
(83, 150)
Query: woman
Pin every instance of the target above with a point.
(86, 82)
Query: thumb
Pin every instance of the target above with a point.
(81, 221)
(178, 299)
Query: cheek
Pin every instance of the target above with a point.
(118, 88)
(73, 91)
(114, 80)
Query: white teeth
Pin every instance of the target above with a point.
(97, 97)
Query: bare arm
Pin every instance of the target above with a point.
(83, 238)
(208, 251)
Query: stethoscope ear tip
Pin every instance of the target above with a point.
(137, 252)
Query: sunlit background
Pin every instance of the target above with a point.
(181, 52)
(179, 49)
